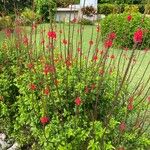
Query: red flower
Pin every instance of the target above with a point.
(131, 99)
(122, 126)
(101, 52)
(42, 41)
(74, 20)
(95, 58)
(49, 69)
(130, 106)
(129, 18)
(46, 91)
(51, 34)
(32, 86)
(98, 28)
(112, 36)
(101, 72)
(108, 43)
(138, 36)
(112, 56)
(65, 42)
(8, 33)
(91, 42)
(25, 40)
(44, 120)
(78, 101)
(30, 65)
(86, 89)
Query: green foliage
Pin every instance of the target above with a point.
(86, 22)
(6, 22)
(108, 8)
(125, 29)
(131, 9)
(47, 9)
(29, 16)
(147, 9)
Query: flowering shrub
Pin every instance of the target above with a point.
(125, 25)
(58, 94)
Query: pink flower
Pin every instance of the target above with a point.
(78, 101)
(138, 36)
(51, 34)
(129, 18)
(44, 120)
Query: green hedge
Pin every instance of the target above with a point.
(125, 29)
(114, 8)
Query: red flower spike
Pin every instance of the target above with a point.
(30, 65)
(49, 69)
(112, 56)
(51, 34)
(74, 20)
(25, 40)
(86, 89)
(42, 41)
(78, 101)
(91, 42)
(130, 106)
(8, 33)
(32, 87)
(101, 72)
(138, 36)
(98, 29)
(129, 18)
(95, 58)
(44, 120)
(131, 99)
(112, 36)
(46, 91)
(122, 126)
(108, 43)
(93, 86)
(65, 42)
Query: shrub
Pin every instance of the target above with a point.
(55, 95)
(131, 9)
(125, 29)
(108, 9)
(86, 22)
(88, 11)
(147, 9)
(6, 22)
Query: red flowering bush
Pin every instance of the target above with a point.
(125, 27)
(58, 94)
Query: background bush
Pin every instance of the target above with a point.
(125, 29)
